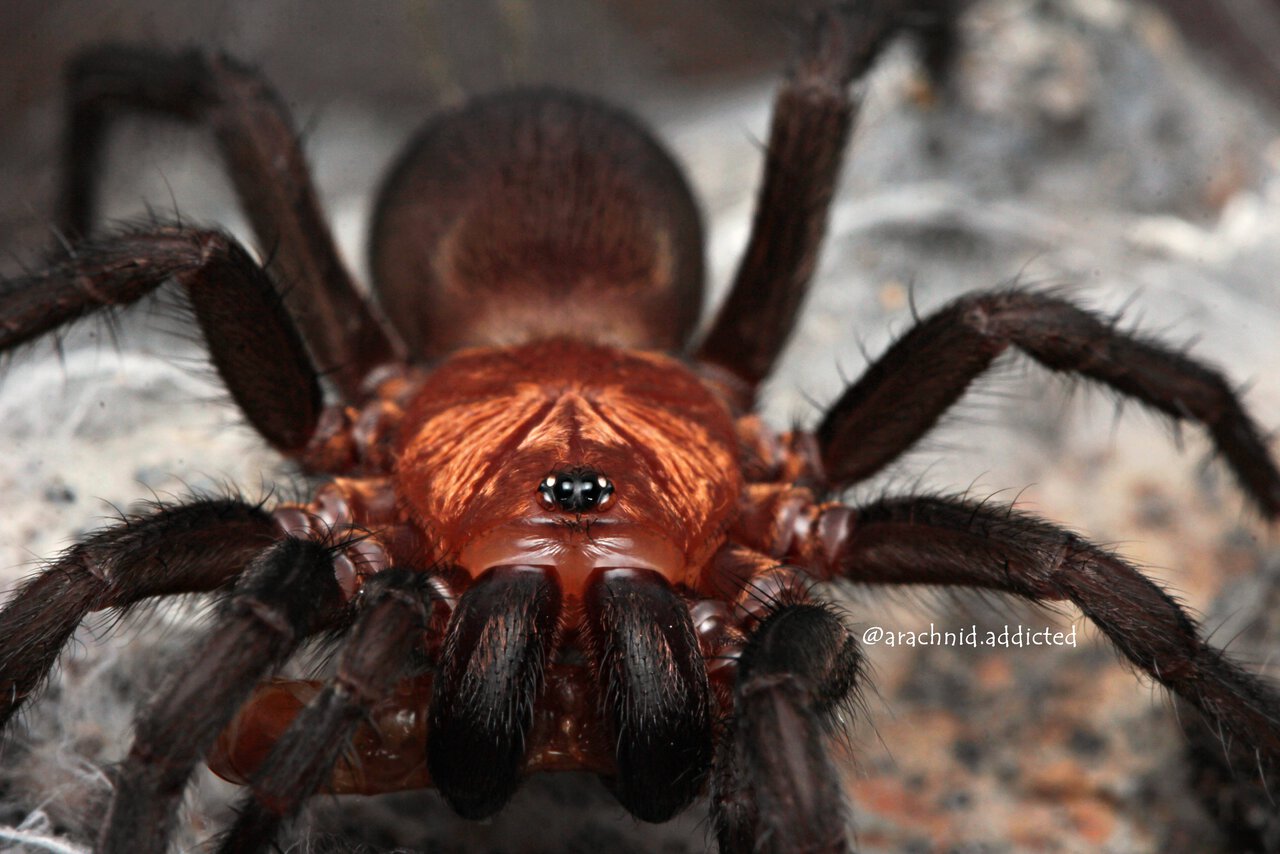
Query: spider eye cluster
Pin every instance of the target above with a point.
(578, 490)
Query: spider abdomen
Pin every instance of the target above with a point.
(533, 214)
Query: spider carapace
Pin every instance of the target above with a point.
(551, 533)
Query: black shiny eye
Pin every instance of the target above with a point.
(578, 490)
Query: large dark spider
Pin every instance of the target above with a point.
(595, 554)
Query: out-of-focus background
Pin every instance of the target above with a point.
(1081, 143)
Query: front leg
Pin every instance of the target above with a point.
(264, 160)
(395, 610)
(776, 788)
(288, 592)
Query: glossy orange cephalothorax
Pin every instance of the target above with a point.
(490, 427)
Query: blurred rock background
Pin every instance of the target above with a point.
(1080, 143)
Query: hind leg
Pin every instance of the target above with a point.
(264, 160)
(813, 116)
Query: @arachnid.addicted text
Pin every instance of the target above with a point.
(971, 636)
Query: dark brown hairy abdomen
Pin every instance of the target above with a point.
(536, 214)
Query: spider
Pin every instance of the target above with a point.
(547, 541)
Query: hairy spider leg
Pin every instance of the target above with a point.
(251, 338)
(286, 593)
(185, 548)
(904, 392)
(264, 160)
(949, 542)
(813, 114)
(776, 787)
(396, 607)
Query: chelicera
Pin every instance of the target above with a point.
(551, 532)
